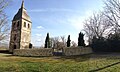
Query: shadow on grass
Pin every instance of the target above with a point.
(85, 57)
(104, 67)
(78, 58)
(4, 51)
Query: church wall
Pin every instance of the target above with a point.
(25, 34)
(15, 35)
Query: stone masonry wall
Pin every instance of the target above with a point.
(33, 52)
(76, 51)
(49, 51)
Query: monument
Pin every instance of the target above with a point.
(20, 37)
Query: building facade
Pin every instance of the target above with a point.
(21, 30)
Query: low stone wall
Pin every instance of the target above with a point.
(49, 51)
(76, 51)
(33, 52)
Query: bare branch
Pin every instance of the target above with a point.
(4, 26)
(112, 12)
(97, 25)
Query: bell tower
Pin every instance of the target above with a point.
(21, 30)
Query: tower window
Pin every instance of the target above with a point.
(28, 25)
(15, 37)
(24, 24)
(14, 47)
(14, 24)
(18, 23)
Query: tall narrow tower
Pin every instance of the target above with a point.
(21, 30)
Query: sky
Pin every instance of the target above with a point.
(56, 17)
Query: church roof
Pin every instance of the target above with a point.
(22, 14)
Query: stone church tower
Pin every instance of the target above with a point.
(21, 30)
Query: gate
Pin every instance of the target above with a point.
(57, 52)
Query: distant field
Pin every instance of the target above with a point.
(3, 48)
(85, 63)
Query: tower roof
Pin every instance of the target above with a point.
(22, 6)
(22, 13)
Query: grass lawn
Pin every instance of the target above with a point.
(85, 63)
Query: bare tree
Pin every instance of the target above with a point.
(3, 4)
(4, 26)
(54, 41)
(63, 41)
(97, 25)
(73, 44)
(112, 12)
(58, 42)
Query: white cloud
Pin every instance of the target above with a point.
(38, 40)
(40, 27)
(77, 21)
(63, 9)
(37, 10)
(38, 35)
(53, 10)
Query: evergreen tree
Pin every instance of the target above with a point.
(47, 41)
(68, 41)
(81, 39)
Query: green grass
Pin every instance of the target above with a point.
(85, 63)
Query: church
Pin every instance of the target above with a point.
(20, 37)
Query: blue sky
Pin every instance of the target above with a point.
(58, 17)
